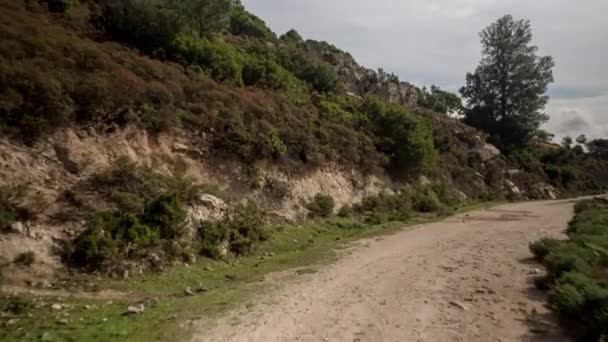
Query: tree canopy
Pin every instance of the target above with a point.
(505, 96)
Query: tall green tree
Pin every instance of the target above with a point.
(505, 96)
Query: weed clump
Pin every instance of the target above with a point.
(542, 247)
(111, 237)
(8, 213)
(384, 207)
(321, 206)
(25, 259)
(426, 201)
(16, 305)
(238, 234)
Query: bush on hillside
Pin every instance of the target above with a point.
(243, 23)
(315, 73)
(239, 234)
(150, 25)
(35, 101)
(165, 214)
(406, 138)
(8, 212)
(112, 237)
(426, 201)
(25, 259)
(384, 207)
(220, 60)
(446, 194)
(131, 186)
(321, 205)
(58, 6)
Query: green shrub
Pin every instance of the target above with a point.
(384, 207)
(213, 236)
(16, 305)
(314, 72)
(150, 25)
(543, 247)
(406, 138)
(113, 236)
(165, 214)
(578, 290)
(238, 234)
(582, 299)
(219, 59)
(426, 201)
(446, 194)
(58, 6)
(345, 211)
(243, 23)
(95, 244)
(8, 213)
(569, 257)
(131, 186)
(320, 206)
(25, 259)
(37, 100)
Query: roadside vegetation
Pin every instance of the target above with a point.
(577, 268)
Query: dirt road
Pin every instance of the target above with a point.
(466, 278)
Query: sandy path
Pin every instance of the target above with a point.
(466, 278)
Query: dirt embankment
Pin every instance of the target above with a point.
(467, 278)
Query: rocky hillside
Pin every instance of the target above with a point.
(105, 112)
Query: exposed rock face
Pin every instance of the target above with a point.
(361, 81)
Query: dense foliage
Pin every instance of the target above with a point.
(239, 234)
(8, 212)
(321, 206)
(578, 288)
(505, 95)
(112, 237)
(406, 138)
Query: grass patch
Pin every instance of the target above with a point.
(577, 268)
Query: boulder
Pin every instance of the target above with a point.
(206, 207)
(512, 172)
(485, 152)
(512, 189)
(424, 181)
(543, 190)
(17, 227)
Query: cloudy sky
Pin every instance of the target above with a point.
(436, 42)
